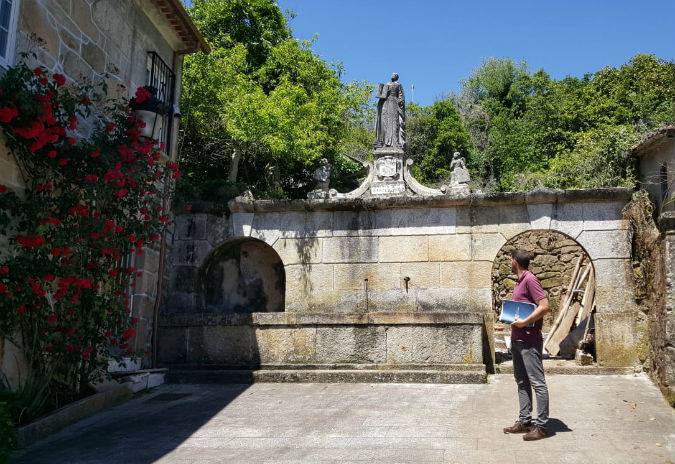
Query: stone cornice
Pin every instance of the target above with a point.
(540, 195)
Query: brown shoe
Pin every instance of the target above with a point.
(518, 427)
(536, 433)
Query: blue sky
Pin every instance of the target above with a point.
(435, 43)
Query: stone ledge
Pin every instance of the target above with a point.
(184, 367)
(572, 370)
(315, 319)
(477, 375)
(473, 199)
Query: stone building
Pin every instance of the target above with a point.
(128, 43)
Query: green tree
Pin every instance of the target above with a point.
(528, 128)
(433, 134)
(262, 109)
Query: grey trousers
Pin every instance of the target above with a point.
(529, 373)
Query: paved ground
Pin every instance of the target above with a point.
(598, 419)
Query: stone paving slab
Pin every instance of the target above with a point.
(599, 419)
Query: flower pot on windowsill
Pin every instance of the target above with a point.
(151, 110)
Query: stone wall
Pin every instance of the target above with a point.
(416, 255)
(90, 40)
(554, 257)
(662, 315)
(261, 339)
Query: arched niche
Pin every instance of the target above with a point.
(243, 275)
(554, 257)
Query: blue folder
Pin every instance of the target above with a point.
(511, 309)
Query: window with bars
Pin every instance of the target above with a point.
(8, 13)
(161, 78)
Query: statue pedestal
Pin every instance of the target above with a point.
(388, 178)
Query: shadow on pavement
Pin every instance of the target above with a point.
(140, 431)
(556, 425)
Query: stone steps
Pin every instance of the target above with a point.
(559, 366)
(475, 373)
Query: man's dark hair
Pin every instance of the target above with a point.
(522, 257)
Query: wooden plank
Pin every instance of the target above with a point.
(553, 346)
(568, 302)
(589, 299)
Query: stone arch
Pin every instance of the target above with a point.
(555, 255)
(243, 275)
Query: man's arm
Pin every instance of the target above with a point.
(542, 308)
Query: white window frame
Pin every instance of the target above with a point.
(11, 36)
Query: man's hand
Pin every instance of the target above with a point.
(518, 323)
(542, 308)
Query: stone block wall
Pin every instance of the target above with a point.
(91, 40)
(262, 339)
(420, 255)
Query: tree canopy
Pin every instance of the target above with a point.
(263, 108)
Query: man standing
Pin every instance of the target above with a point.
(526, 348)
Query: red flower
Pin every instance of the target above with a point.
(30, 240)
(51, 220)
(63, 162)
(86, 101)
(8, 113)
(52, 319)
(44, 81)
(3, 288)
(109, 127)
(52, 153)
(189, 208)
(37, 71)
(48, 277)
(21, 309)
(56, 252)
(95, 153)
(60, 79)
(4, 270)
(73, 122)
(71, 331)
(85, 283)
(129, 333)
(70, 141)
(121, 193)
(91, 178)
(142, 94)
(3, 188)
(33, 131)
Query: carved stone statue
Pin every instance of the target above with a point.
(390, 124)
(322, 177)
(459, 174)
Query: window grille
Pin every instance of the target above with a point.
(161, 77)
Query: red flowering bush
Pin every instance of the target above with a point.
(90, 204)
